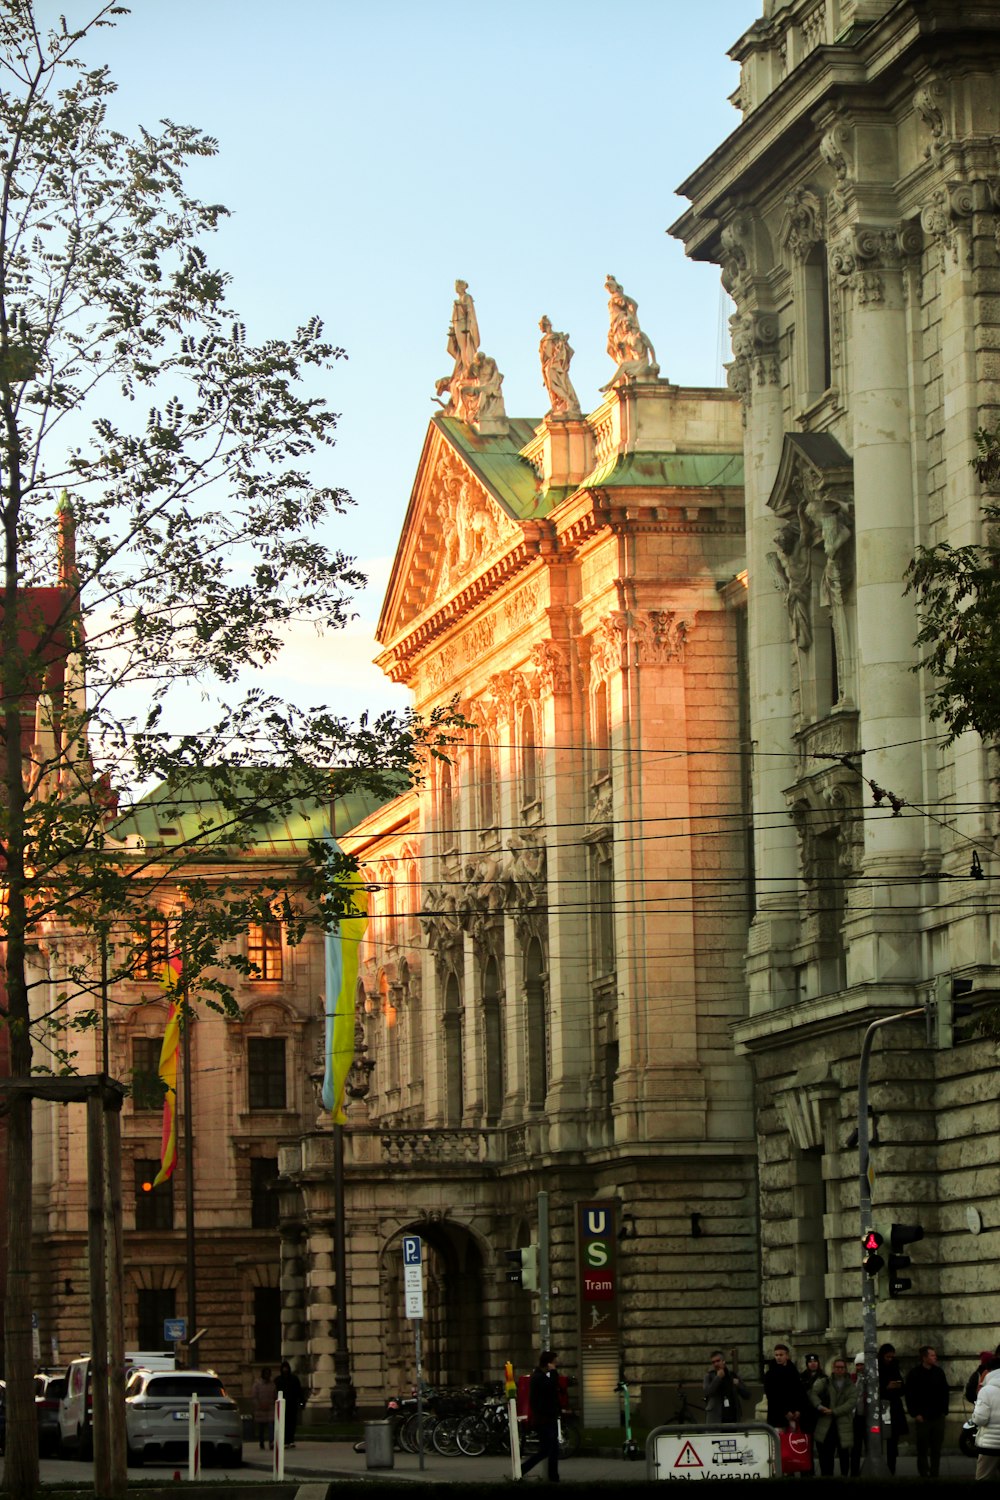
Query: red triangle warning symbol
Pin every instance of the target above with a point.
(687, 1458)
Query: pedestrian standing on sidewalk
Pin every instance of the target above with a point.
(890, 1389)
(722, 1389)
(783, 1389)
(263, 1394)
(544, 1409)
(927, 1402)
(289, 1385)
(834, 1396)
(986, 1415)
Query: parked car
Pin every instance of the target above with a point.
(157, 1405)
(50, 1387)
(76, 1406)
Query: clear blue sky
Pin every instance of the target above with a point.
(372, 152)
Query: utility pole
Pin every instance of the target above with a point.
(192, 1284)
(544, 1275)
(869, 1321)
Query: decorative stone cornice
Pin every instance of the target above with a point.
(928, 99)
(836, 147)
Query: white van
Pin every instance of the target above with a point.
(77, 1406)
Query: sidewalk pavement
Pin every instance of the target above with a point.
(316, 1459)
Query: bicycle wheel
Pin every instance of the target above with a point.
(445, 1437)
(472, 1436)
(408, 1433)
(570, 1437)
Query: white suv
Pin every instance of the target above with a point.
(157, 1403)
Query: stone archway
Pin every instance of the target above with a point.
(454, 1327)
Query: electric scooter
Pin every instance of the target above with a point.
(630, 1448)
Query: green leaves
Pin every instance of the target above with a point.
(958, 600)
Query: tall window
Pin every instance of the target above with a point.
(156, 1305)
(151, 948)
(147, 1089)
(446, 803)
(266, 1072)
(486, 776)
(529, 759)
(154, 1206)
(263, 1194)
(264, 950)
(538, 1038)
(603, 910)
(493, 1041)
(453, 1043)
(816, 317)
(602, 732)
(266, 1322)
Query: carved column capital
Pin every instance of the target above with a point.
(551, 662)
(945, 211)
(802, 225)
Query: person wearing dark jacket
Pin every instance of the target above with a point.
(290, 1386)
(722, 1389)
(926, 1389)
(890, 1389)
(786, 1398)
(543, 1400)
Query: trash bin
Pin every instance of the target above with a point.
(378, 1445)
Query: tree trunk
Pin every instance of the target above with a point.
(21, 1462)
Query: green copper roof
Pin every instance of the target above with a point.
(673, 470)
(197, 815)
(498, 462)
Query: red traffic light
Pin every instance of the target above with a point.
(873, 1262)
(872, 1240)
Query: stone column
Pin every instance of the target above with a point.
(755, 374)
(867, 264)
(320, 1299)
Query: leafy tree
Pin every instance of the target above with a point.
(185, 544)
(958, 599)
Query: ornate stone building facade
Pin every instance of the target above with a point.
(555, 952)
(854, 215)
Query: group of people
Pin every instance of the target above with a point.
(264, 1393)
(832, 1405)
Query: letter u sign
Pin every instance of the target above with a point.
(597, 1221)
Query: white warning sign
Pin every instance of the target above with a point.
(712, 1453)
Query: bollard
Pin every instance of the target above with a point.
(378, 1445)
(279, 1438)
(194, 1438)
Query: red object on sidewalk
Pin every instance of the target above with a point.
(796, 1451)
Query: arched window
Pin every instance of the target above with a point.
(493, 1041)
(486, 777)
(537, 1026)
(453, 1040)
(529, 759)
(446, 802)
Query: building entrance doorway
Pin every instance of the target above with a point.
(454, 1347)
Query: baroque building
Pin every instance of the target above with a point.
(557, 919)
(854, 215)
(254, 1077)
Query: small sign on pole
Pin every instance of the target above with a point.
(413, 1294)
(174, 1330)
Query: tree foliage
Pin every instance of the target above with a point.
(958, 599)
(186, 545)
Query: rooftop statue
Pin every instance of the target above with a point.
(555, 354)
(474, 385)
(628, 346)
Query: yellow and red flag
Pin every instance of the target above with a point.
(168, 1071)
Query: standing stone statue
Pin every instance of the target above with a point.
(628, 346)
(474, 387)
(555, 354)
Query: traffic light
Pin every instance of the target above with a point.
(951, 1006)
(900, 1235)
(523, 1268)
(871, 1243)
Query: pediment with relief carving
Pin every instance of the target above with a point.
(456, 529)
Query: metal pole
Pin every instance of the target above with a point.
(97, 1267)
(344, 1394)
(869, 1321)
(544, 1281)
(192, 1285)
(417, 1322)
(116, 1277)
